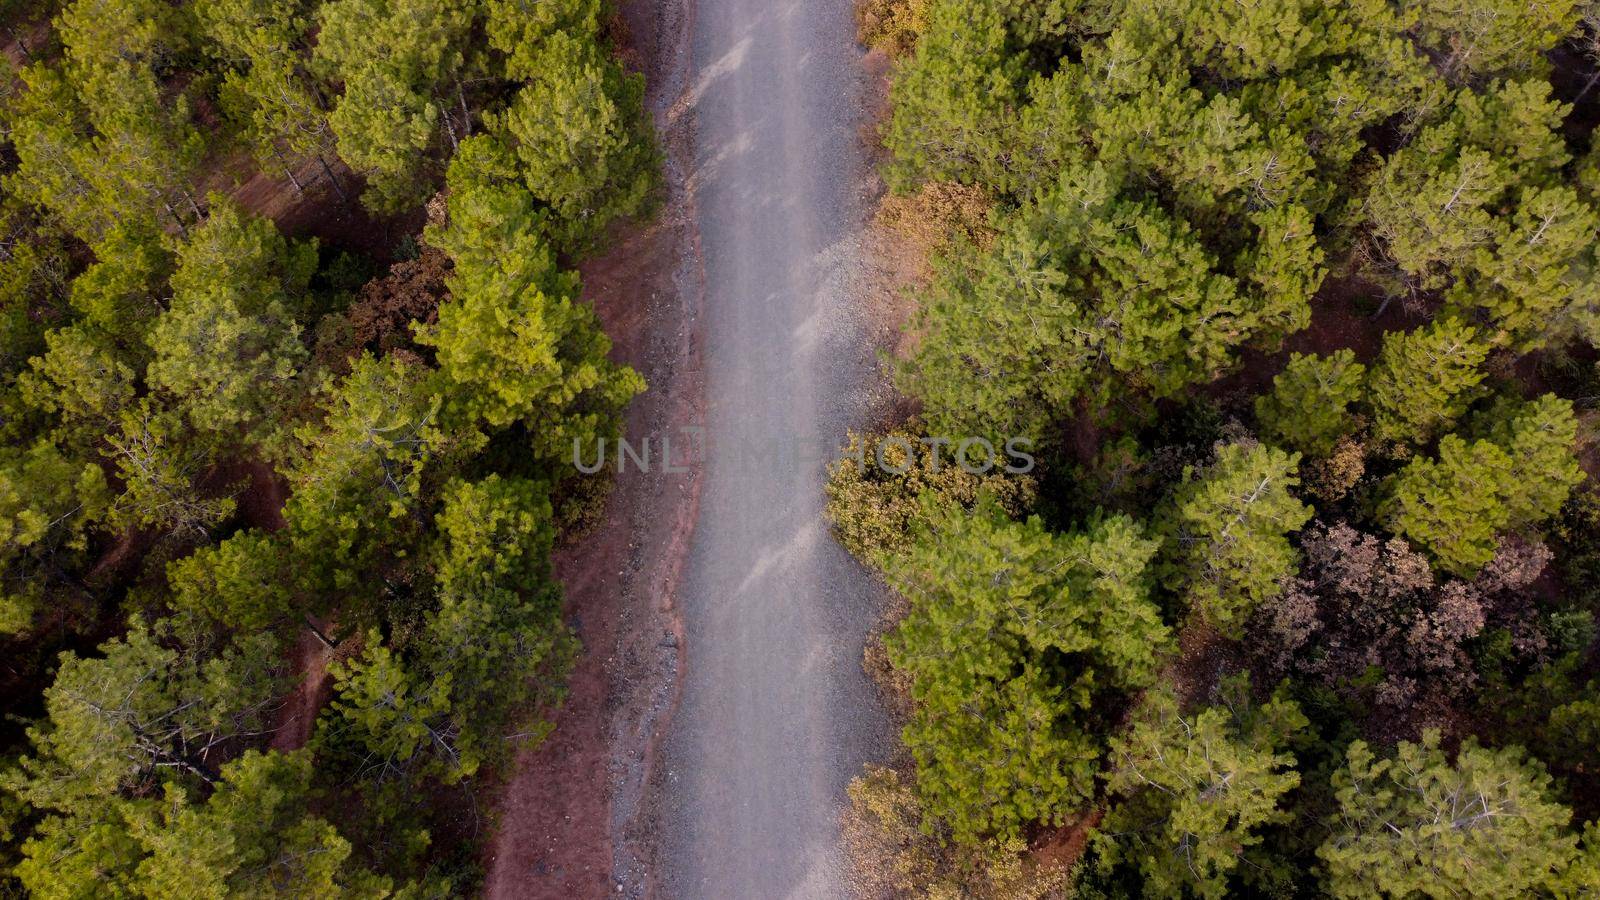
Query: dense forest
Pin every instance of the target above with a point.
(226, 441)
(1299, 302)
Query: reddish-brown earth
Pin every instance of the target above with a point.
(1063, 847)
(293, 721)
(1346, 313)
(317, 209)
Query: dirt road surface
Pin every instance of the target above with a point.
(775, 714)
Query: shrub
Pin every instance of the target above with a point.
(892, 26)
(875, 511)
(898, 851)
(1368, 619)
(939, 213)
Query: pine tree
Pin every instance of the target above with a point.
(1537, 280)
(1284, 268)
(1226, 532)
(49, 506)
(1441, 206)
(109, 32)
(272, 100)
(34, 271)
(1541, 439)
(1424, 380)
(228, 348)
(146, 149)
(1518, 476)
(82, 380)
(401, 62)
(1421, 824)
(1476, 39)
(501, 655)
(522, 26)
(515, 344)
(1430, 211)
(581, 139)
(57, 157)
(1194, 791)
(1453, 508)
(1309, 407)
(1090, 291)
(1253, 41)
(1520, 123)
(497, 633)
(1225, 163)
(96, 140)
(358, 486)
(1133, 98)
(1012, 633)
(1583, 873)
(1368, 72)
(253, 837)
(953, 100)
(237, 583)
(149, 709)
(125, 287)
(495, 533)
(160, 461)
(389, 722)
(88, 854)
(1003, 349)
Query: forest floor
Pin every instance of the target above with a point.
(571, 820)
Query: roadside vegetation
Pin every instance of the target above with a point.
(226, 442)
(1298, 303)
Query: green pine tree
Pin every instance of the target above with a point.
(515, 344)
(581, 138)
(1421, 824)
(1195, 791)
(401, 63)
(1013, 632)
(1454, 507)
(1309, 407)
(1425, 380)
(228, 348)
(1226, 532)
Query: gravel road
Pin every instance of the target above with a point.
(776, 715)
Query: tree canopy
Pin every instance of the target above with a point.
(1423, 824)
(1012, 633)
(281, 477)
(1302, 296)
(1196, 790)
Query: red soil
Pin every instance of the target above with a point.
(1062, 847)
(317, 210)
(258, 492)
(1203, 655)
(298, 714)
(1343, 315)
